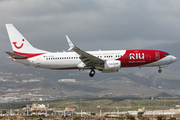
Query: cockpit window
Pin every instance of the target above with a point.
(166, 54)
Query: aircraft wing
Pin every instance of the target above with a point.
(16, 56)
(86, 58)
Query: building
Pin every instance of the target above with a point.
(67, 80)
(68, 109)
(36, 106)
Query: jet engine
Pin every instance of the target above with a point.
(112, 64)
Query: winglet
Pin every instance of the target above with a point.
(71, 45)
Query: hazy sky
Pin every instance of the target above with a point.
(92, 24)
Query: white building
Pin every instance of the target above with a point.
(67, 80)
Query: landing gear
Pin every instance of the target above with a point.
(92, 73)
(160, 71)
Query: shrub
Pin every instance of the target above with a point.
(131, 117)
(77, 118)
(172, 118)
(40, 118)
(160, 117)
(34, 116)
(140, 117)
(99, 118)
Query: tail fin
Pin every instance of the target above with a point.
(19, 43)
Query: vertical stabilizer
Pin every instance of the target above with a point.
(19, 43)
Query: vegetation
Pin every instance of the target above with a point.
(103, 104)
(76, 118)
(140, 117)
(130, 117)
(172, 118)
(161, 117)
(115, 104)
(4, 112)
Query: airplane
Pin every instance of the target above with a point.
(106, 61)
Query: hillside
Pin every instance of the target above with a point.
(144, 82)
(103, 104)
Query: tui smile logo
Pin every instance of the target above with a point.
(18, 47)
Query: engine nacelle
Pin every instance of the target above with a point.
(112, 64)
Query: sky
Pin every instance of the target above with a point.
(92, 24)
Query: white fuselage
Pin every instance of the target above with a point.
(66, 60)
(70, 60)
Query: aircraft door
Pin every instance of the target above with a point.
(157, 55)
(38, 61)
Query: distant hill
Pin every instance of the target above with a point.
(136, 83)
(163, 94)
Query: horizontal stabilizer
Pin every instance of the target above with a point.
(16, 56)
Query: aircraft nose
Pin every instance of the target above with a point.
(174, 59)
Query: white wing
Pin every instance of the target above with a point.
(86, 58)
